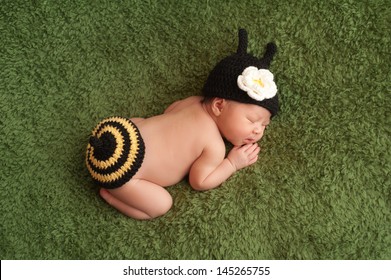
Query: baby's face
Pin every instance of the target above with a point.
(242, 123)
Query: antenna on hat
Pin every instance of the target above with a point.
(242, 47)
(271, 49)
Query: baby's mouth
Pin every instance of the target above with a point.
(249, 140)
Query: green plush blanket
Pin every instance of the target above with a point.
(320, 190)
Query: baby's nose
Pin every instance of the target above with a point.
(259, 129)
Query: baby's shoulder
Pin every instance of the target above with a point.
(183, 104)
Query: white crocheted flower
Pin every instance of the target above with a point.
(258, 83)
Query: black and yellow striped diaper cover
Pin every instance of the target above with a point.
(115, 152)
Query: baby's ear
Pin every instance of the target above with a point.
(218, 105)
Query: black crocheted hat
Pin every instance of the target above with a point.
(115, 152)
(244, 78)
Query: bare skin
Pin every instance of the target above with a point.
(188, 139)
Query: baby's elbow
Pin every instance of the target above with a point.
(201, 185)
(196, 185)
(200, 182)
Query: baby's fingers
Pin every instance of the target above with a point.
(253, 156)
(251, 151)
(253, 160)
(250, 148)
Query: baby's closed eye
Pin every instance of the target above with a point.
(252, 120)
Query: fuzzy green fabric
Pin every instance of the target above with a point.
(320, 190)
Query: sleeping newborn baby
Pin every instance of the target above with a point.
(134, 159)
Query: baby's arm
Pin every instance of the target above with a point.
(211, 168)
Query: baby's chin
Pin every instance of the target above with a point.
(240, 142)
(243, 142)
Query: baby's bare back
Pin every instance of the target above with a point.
(173, 141)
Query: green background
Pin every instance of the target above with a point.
(320, 190)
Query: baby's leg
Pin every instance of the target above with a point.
(139, 199)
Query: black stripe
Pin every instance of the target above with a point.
(122, 159)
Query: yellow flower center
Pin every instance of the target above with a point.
(259, 82)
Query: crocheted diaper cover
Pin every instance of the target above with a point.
(115, 152)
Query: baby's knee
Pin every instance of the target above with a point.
(161, 208)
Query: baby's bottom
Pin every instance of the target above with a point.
(139, 199)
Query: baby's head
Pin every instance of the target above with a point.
(243, 84)
(244, 78)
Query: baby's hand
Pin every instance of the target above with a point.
(242, 156)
